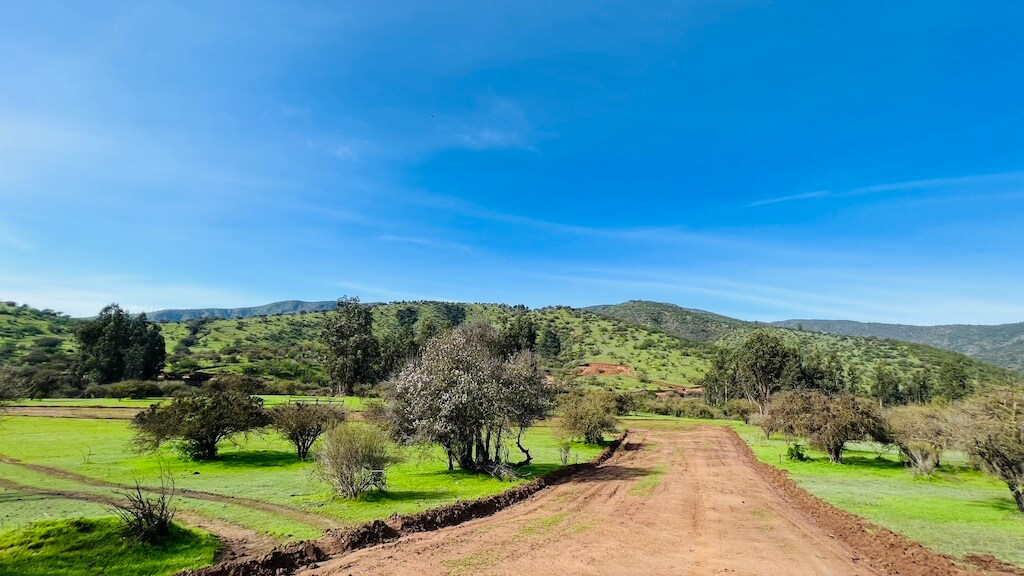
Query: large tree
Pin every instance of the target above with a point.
(351, 352)
(115, 346)
(465, 395)
(765, 365)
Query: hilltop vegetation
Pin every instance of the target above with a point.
(665, 346)
(1002, 344)
(862, 355)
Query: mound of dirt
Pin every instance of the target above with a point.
(602, 369)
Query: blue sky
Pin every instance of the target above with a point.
(761, 160)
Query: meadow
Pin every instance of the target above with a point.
(958, 510)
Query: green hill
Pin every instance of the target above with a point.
(1002, 344)
(858, 352)
(665, 346)
(286, 346)
(25, 332)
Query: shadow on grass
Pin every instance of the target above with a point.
(258, 458)
(1001, 504)
(395, 496)
(870, 462)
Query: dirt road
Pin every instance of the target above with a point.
(670, 502)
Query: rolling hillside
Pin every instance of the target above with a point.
(1002, 344)
(285, 346)
(857, 351)
(665, 346)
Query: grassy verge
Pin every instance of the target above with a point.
(957, 511)
(85, 547)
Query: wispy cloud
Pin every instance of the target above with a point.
(1002, 182)
(427, 242)
(790, 198)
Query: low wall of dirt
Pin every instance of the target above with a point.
(881, 548)
(291, 557)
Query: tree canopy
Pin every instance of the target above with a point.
(115, 346)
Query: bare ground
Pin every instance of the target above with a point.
(673, 501)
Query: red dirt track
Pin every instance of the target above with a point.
(671, 501)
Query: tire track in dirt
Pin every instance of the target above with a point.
(672, 501)
(291, 513)
(236, 541)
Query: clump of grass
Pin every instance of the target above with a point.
(82, 547)
(646, 486)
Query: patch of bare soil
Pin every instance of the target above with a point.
(236, 541)
(602, 369)
(299, 515)
(690, 501)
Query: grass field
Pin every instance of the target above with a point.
(261, 467)
(88, 547)
(957, 511)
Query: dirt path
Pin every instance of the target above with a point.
(671, 502)
(236, 541)
(298, 515)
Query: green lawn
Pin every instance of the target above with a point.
(261, 467)
(89, 547)
(958, 511)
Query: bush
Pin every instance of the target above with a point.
(828, 422)
(921, 434)
(199, 423)
(992, 430)
(589, 417)
(740, 410)
(354, 458)
(682, 408)
(135, 389)
(144, 518)
(302, 423)
(795, 451)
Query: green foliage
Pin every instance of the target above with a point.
(828, 422)
(116, 347)
(302, 423)
(81, 547)
(588, 417)
(351, 352)
(199, 423)
(795, 451)
(765, 364)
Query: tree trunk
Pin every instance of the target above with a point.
(1018, 497)
(519, 444)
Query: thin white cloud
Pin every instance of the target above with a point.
(791, 198)
(428, 242)
(370, 293)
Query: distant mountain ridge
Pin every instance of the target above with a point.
(272, 309)
(999, 344)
